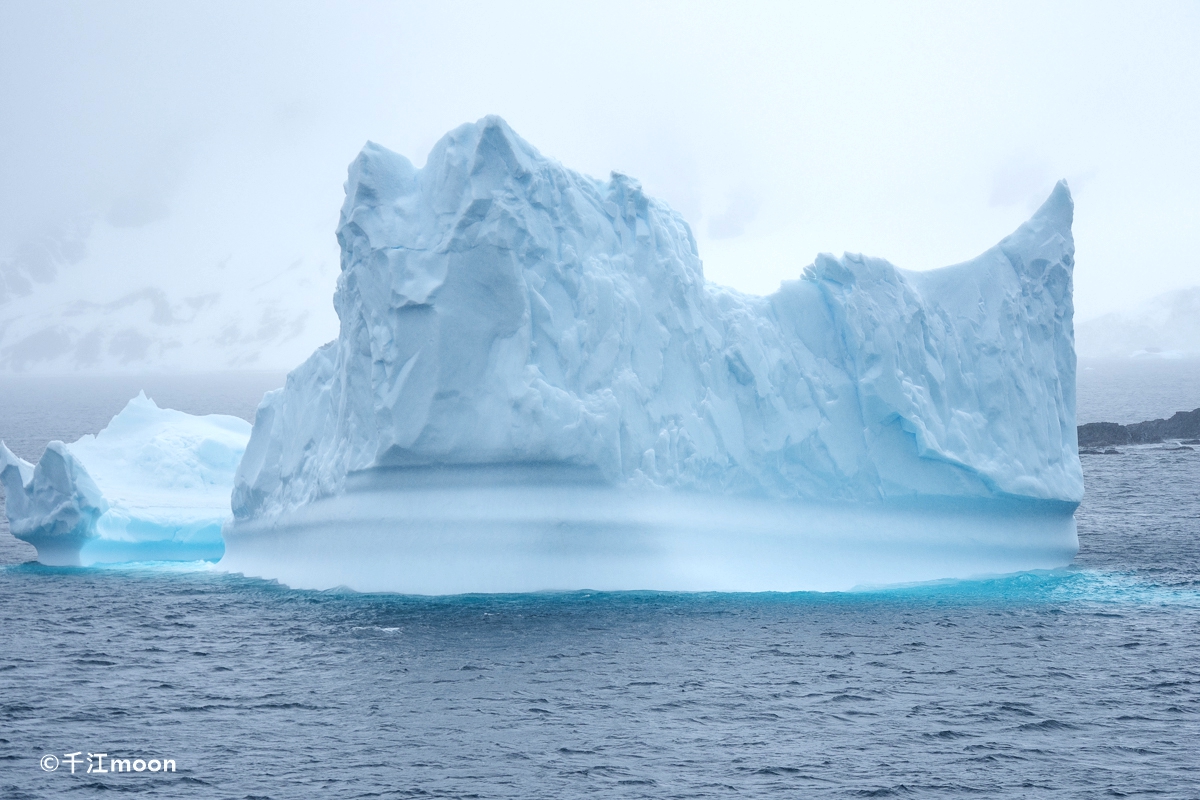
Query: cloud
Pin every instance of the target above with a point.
(1023, 178)
(130, 345)
(152, 177)
(146, 144)
(741, 211)
(134, 211)
(44, 345)
(38, 258)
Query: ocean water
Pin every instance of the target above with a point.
(1078, 683)
(1134, 390)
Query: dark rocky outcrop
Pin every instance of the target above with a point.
(1182, 425)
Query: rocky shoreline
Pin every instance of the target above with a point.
(1183, 426)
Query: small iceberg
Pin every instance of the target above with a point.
(152, 486)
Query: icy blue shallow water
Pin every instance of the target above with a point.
(1080, 683)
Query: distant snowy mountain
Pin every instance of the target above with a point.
(61, 328)
(185, 288)
(1167, 326)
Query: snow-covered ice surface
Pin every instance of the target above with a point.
(535, 388)
(154, 485)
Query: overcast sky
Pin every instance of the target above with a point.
(923, 133)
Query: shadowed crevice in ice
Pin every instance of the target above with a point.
(531, 473)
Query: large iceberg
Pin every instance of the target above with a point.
(535, 388)
(154, 485)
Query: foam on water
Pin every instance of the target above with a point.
(1070, 586)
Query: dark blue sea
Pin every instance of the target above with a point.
(1082, 683)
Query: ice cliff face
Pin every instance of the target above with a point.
(498, 308)
(152, 486)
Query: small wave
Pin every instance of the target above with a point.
(1054, 586)
(1046, 725)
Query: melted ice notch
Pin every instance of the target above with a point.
(503, 316)
(152, 486)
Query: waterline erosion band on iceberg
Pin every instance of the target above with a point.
(508, 325)
(452, 534)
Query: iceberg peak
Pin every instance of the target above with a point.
(1058, 211)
